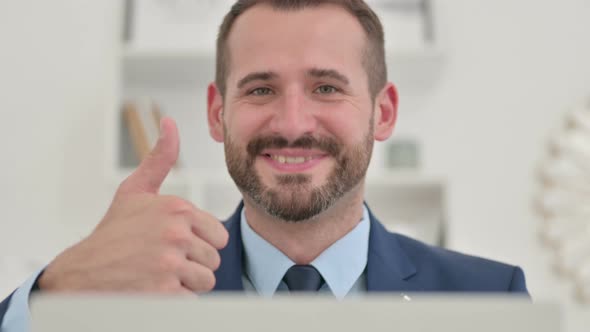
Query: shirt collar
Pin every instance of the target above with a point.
(340, 265)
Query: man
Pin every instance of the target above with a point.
(300, 96)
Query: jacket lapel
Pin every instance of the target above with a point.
(229, 275)
(389, 268)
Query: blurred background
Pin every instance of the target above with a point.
(486, 89)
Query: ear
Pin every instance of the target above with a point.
(215, 112)
(385, 112)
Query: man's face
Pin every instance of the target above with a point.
(297, 117)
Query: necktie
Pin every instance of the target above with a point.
(303, 278)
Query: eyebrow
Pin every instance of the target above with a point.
(257, 76)
(314, 72)
(328, 73)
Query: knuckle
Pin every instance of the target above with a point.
(207, 256)
(211, 257)
(222, 238)
(215, 260)
(176, 205)
(124, 186)
(177, 235)
(169, 285)
(168, 263)
(208, 281)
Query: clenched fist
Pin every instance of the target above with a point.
(146, 242)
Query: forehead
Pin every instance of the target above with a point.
(325, 36)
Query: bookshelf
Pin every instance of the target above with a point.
(176, 77)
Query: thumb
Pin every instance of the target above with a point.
(154, 168)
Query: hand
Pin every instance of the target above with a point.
(146, 242)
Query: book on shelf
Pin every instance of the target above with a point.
(142, 118)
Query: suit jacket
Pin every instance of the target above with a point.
(395, 263)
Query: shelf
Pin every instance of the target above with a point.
(403, 178)
(167, 67)
(410, 69)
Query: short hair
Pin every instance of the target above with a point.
(373, 56)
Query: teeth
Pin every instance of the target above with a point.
(291, 160)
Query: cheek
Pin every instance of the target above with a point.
(348, 129)
(244, 124)
(348, 120)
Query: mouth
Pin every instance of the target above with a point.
(293, 160)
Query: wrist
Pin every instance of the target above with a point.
(43, 282)
(36, 285)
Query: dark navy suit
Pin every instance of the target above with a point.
(396, 263)
(399, 264)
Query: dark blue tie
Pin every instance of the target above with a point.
(303, 278)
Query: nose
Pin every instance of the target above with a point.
(293, 117)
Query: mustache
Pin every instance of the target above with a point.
(326, 144)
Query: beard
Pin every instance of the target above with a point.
(294, 199)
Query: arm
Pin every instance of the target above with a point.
(148, 243)
(14, 310)
(4, 307)
(518, 283)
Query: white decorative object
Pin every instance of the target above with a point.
(563, 201)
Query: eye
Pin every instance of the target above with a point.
(260, 92)
(326, 89)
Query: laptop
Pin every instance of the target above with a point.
(237, 312)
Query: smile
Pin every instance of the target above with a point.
(293, 160)
(289, 160)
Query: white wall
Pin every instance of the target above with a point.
(511, 70)
(56, 74)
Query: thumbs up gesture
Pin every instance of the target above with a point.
(146, 242)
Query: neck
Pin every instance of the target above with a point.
(303, 241)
